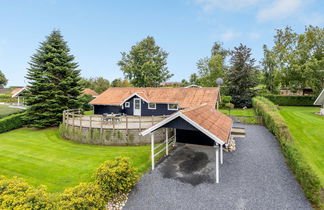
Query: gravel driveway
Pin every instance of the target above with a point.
(255, 176)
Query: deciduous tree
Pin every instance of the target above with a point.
(146, 64)
(3, 79)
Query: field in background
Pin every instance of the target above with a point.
(308, 131)
(43, 158)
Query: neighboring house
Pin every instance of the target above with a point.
(320, 101)
(88, 91)
(152, 101)
(19, 94)
(303, 92)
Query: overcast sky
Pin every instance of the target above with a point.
(97, 31)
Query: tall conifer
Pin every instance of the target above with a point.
(53, 82)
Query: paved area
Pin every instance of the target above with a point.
(255, 176)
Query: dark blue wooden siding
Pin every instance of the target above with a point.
(180, 123)
(161, 109)
(101, 109)
(186, 133)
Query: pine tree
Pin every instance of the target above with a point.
(242, 76)
(54, 82)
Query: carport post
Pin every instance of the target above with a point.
(166, 141)
(221, 154)
(217, 164)
(152, 149)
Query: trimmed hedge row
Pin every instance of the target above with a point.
(291, 100)
(303, 172)
(112, 179)
(11, 122)
(8, 99)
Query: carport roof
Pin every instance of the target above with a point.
(205, 118)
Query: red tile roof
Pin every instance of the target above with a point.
(90, 92)
(215, 122)
(16, 90)
(184, 97)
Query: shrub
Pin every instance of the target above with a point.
(82, 196)
(11, 122)
(15, 193)
(225, 100)
(7, 99)
(305, 175)
(291, 100)
(116, 177)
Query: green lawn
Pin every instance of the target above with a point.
(239, 112)
(308, 131)
(242, 112)
(5, 110)
(42, 157)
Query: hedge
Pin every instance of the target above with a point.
(8, 99)
(11, 122)
(112, 179)
(305, 175)
(291, 100)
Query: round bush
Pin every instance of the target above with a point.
(116, 176)
(83, 196)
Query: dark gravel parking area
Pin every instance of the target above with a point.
(255, 176)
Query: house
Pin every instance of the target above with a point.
(152, 101)
(19, 94)
(88, 91)
(320, 101)
(192, 115)
(302, 92)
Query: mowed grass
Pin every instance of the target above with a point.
(6, 110)
(238, 112)
(308, 131)
(43, 158)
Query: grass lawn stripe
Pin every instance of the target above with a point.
(308, 131)
(43, 158)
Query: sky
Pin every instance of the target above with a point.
(98, 31)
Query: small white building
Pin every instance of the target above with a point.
(320, 101)
(18, 93)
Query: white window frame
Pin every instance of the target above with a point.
(172, 108)
(148, 106)
(127, 104)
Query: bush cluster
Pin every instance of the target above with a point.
(7, 98)
(15, 193)
(113, 178)
(116, 177)
(291, 100)
(305, 175)
(12, 122)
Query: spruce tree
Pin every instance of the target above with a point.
(53, 82)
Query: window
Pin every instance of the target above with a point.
(127, 104)
(152, 106)
(172, 106)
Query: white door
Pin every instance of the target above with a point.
(137, 106)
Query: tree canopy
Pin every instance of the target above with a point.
(242, 76)
(146, 64)
(53, 82)
(98, 84)
(296, 61)
(3, 79)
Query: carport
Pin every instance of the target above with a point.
(202, 126)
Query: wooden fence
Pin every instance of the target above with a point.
(95, 128)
